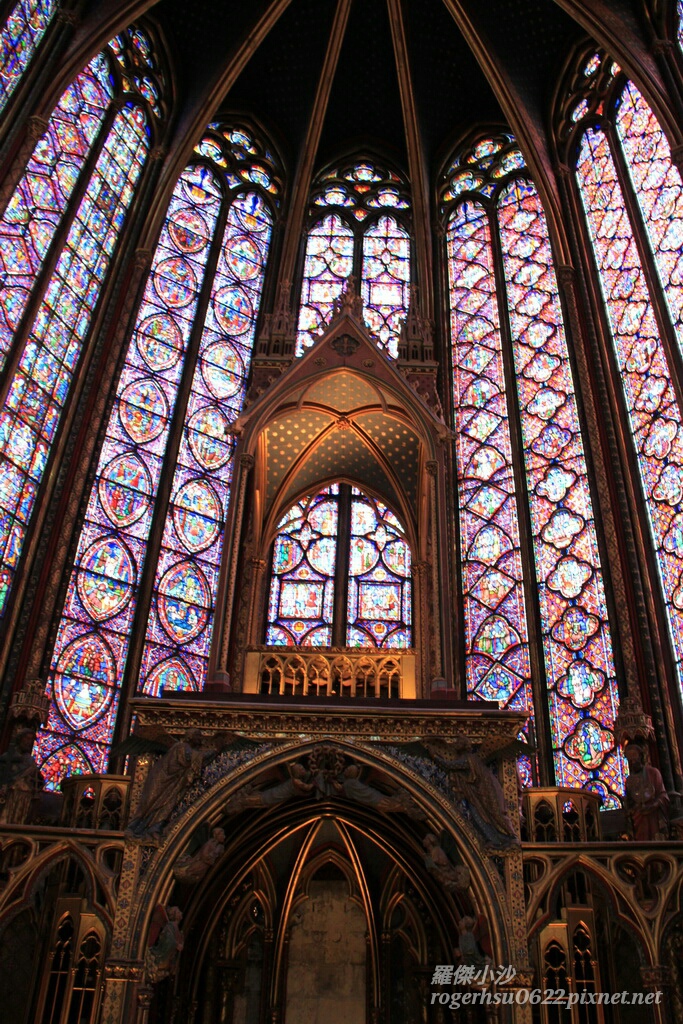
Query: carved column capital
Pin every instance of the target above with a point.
(677, 155)
(63, 17)
(660, 46)
(247, 461)
(142, 259)
(36, 127)
(566, 275)
(432, 467)
(655, 976)
(158, 153)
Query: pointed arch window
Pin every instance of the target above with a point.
(181, 386)
(522, 471)
(20, 37)
(340, 574)
(366, 234)
(632, 198)
(57, 238)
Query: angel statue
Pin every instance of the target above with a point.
(298, 783)
(171, 776)
(350, 785)
(191, 868)
(453, 877)
(21, 781)
(470, 780)
(165, 944)
(471, 949)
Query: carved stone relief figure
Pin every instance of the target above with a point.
(191, 868)
(453, 877)
(21, 781)
(166, 944)
(647, 801)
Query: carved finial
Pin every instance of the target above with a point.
(349, 301)
(278, 334)
(416, 343)
(30, 704)
(632, 724)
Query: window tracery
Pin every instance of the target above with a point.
(345, 556)
(365, 234)
(632, 198)
(195, 327)
(97, 141)
(507, 325)
(20, 37)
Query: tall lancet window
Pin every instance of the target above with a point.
(359, 224)
(57, 238)
(181, 387)
(521, 472)
(632, 198)
(340, 574)
(20, 37)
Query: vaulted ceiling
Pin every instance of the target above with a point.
(384, 71)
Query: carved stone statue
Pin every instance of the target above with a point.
(469, 951)
(470, 780)
(166, 944)
(169, 778)
(453, 877)
(349, 301)
(298, 784)
(191, 868)
(21, 781)
(647, 801)
(351, 786)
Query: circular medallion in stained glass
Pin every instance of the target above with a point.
(188, 229)
(105, 578)
(183, 602)
(199, 186)
(207, 434)
(364, 555)
(397, 557)
(159, 341)
(243, 257)
(124, 489)
(233, 309)
(287, 553)
(172, 674)
(65, 761)
(222, 369)
(143, 410)
(84, 681)
(197, 515)
(322, 555)
(175, 282)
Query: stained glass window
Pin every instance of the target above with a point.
(553, 491)
(212, 219)
(386, 280)
(179, 629)
(301, 598)
(329, 261)
(489, 528)
(19, 39)
(322, 551)
(51, 341)
(361, 237)
(379, 600)
(631, 135)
